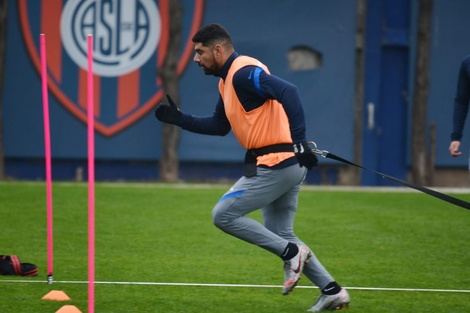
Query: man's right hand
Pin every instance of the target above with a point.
(168, 113)
(454, 148)
(305, 156)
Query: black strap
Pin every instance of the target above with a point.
(430, 192)
(281, 147)
(249, 166)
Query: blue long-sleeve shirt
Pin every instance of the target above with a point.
(253, 87)
(461, 101)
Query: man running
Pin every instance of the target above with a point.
(266, 115)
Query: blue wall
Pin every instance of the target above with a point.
(268, 37)
(262, 32)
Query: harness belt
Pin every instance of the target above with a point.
(249, 166)
(280, 147)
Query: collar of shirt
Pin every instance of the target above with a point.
(223, 71)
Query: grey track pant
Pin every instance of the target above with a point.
(275, 192)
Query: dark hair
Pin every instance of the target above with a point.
(211, 33)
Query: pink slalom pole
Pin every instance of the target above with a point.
(91, 181)
(47, 148)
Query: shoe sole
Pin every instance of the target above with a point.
(289, 291)
(345, 306)
(339, 308)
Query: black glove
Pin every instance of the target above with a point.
(305, 156)
(168, 113)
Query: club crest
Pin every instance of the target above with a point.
(130, 41)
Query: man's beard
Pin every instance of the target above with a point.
(208, 71)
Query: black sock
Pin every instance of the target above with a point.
(291, 251)
(331, 289)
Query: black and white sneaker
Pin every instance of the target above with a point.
(293, 269)
(331, 302)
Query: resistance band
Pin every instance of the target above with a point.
(455, 201)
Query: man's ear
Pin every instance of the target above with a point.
(218, 50)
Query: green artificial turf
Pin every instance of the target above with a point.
(397, 251)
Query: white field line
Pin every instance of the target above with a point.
(457, 190)
(228, 285)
